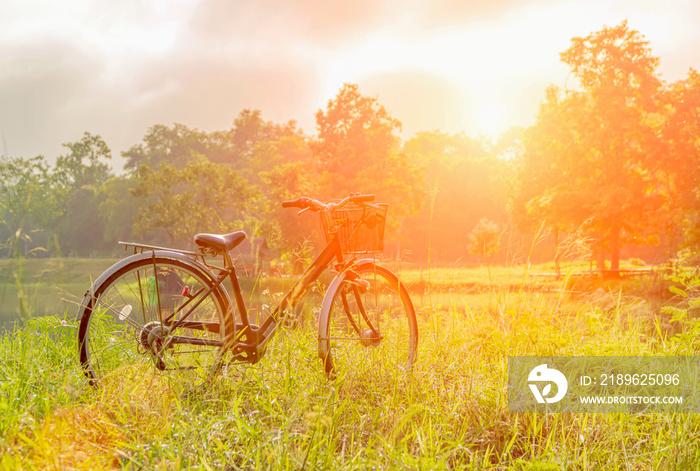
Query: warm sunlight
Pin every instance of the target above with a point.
(392, 186)
(504, 59)
(491, 120)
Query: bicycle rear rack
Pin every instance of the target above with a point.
(140, 248)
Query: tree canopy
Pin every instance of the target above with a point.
(595, 157)
(200, 197)
(358, 150)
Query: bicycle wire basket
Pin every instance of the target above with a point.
(360, 229)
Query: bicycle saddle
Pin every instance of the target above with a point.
(219, 242)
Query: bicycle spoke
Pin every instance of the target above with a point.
(119, 340)
(369, 323)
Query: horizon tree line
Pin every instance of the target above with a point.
(614, 158)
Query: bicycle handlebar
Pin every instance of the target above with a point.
(362, 198)
(316, 205)
(297, 203)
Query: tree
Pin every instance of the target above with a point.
(77, 177)
(484, 239)
(202, 196)
(358, 150)
(249, 129)
(465, 183)
(117, 208)
(284, 182)
(28, 201)
(251, 149)
(353, 132)
(86, 164)
(175, 146)
(83, 231)
(276, 159)
(681, 133)
(595, 156)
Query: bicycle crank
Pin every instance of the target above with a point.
(369, 338)
(153, 339)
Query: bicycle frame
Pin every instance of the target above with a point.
(179, 300)
(251, 342)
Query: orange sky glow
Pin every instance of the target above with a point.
(116, 68)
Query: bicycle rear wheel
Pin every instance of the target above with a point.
(367, 322)
(154, 314)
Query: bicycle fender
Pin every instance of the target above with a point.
(324, 316)
(327, 303)
(186, 260)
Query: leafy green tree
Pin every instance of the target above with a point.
(594, 156)
(249, 129)
(76, 179)
(358, 150)
(117, 208)
(86, 164)
(680, 133)
(175, 146)
(484, 239)
(202, 196)
(252, 148)
(288, 181)
(28, 202)
(178, 144)
(83, 227)
(353, 132)
(277, 161)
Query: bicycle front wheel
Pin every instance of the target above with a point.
(154, 314)
(367, 321)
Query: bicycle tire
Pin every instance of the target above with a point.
(127, 318)
(384, 338)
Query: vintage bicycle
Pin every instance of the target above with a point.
(168, 311)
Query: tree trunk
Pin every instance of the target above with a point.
(615, 246)
(599, 259)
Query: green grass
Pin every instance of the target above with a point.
(283, 413)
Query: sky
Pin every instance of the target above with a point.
(472, 66)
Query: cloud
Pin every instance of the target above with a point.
(288, 20)
(209, 92)
(42, 88)
(441, 13)
(52, 93)
(420, 100)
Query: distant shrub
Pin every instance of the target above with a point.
(688, 257)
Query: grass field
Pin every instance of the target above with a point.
(450, 412)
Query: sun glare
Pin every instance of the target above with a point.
(489, 58)
(490, 119)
